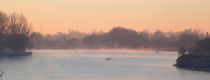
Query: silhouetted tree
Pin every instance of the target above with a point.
(202, 47)
(3, 27)
(124, 38)
(187, 40)
(18, 32)
(144, 39)
(14, 33)
(158, 39)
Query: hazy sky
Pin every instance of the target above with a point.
(96, 15)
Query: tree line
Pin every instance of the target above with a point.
(119, 38)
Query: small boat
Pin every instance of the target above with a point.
(157, 51)
(108, 58)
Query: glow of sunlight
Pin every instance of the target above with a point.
(95, 15)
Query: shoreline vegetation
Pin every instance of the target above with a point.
(198, 58)
(118, 38)
(198, 62)
(14, 35)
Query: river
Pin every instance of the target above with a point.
(93, 65)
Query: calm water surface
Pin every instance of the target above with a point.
(92, 65)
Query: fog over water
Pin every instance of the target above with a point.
(118, 38)
(92, 65)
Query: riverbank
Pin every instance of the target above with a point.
(199, 62)
(12, 54)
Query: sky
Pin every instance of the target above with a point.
(102, 15)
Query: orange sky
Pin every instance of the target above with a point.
(95, 15)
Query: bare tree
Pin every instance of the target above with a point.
(18, 32)
(3, 26)
(3, 22)
(18, 25)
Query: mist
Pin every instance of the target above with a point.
(118, 38)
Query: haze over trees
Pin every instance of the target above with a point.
(14, 34)
(118, 38)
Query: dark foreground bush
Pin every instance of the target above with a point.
(199, 62)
